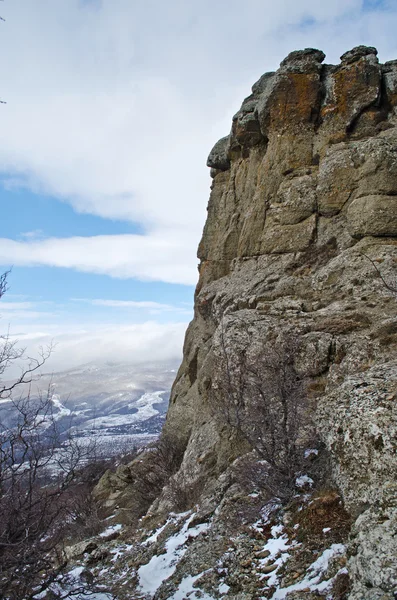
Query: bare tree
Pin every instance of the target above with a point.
(40, 467)
(257, 391)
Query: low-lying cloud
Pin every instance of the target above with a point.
(143, 343)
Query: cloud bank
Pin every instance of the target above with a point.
(113, 106)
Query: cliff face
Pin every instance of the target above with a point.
(302, 220)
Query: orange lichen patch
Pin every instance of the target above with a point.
(358, 81)
(295, 100)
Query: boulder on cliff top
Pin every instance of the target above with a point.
(303, 60)
(357, 53)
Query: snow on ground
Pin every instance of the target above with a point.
(62, 410)
(304, 480)
(160, 568)
(110, 530)
(314, 574)
(155, 535)
(223, 588)
(145, 410)
(311, 452)
(277, 545)
(186, 589)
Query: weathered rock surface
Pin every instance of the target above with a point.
(302, 221)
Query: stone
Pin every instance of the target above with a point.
(261, 85)
(263, 554)
(358, 52)
(84, 547)
(303, 60)
(269, 568)
(389, 70)
(337, 178)
(218, 157)
(373, 215)
(246, 131)
(351, 89)
(296, 200)
(287, 238)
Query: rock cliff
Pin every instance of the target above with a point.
(298, 264)
(301, 235)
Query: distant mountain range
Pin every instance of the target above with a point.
(120, 405)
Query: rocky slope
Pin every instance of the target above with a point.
(300, 249)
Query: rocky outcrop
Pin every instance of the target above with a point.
(298, 264)
(303, 194)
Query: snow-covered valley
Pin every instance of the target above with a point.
(120, 406)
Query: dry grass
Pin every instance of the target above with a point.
(325, 511)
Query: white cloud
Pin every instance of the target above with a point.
(113, 106)
(12, 306)
(156, 257)
(23, 310)
(76, 345)
(32, 235)
(140, 305)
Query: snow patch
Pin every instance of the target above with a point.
(304, 480)
(311, 452)
(186, 589)
(110, 530)
(314, 574)
(63, 411)
(160, 568)
(155, 535)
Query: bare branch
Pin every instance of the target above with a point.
(387, 285)
(257, 391)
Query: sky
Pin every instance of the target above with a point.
(112, 107)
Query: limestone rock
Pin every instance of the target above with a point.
(358, 52)
(261, 85)
(86, 546)
(218, 157)
(350, 90)
(287, 238)
(303, 60)
(296, 199)
(373, 215)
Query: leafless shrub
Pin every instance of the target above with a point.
(257, 391)
(153, 470)
(184, 496)
(38, 478)
(251, 474)
(84, 513)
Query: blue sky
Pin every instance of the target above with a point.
(112, 107)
